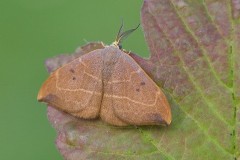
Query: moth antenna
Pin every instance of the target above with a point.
(123, 35)
(120, 31)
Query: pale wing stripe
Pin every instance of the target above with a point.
(74, 90)
(92, 76)
(137, 102)
(80, 89)
(128, 80)
(80, 60)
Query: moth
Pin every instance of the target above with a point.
(107, 83)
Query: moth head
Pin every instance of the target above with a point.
(122, 35)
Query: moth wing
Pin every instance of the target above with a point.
(76, 87)
(134, 97)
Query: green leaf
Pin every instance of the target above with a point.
(194, 54)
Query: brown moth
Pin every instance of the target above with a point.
(109, 84)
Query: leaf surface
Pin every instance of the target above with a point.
(195, 58)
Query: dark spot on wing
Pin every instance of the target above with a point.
(142, 83)
(74, 78)
(72, 70)
(137, 89)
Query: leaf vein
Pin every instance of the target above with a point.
(211, 68)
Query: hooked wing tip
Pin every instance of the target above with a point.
(47, 90)
(45, 96)
(168, 118)
(164, 120)
(40, 96)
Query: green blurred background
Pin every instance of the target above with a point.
(30, 32)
